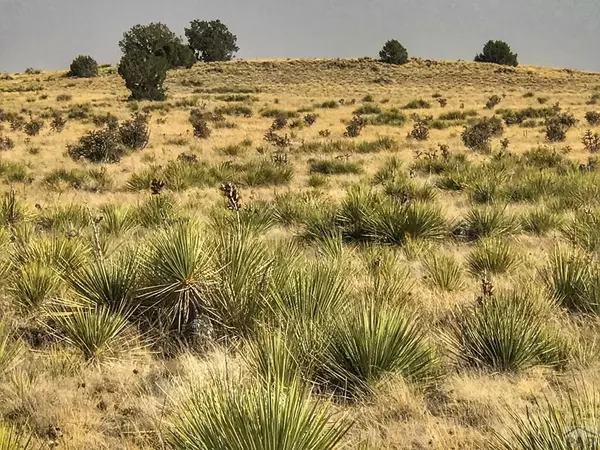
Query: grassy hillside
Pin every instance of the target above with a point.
(427, 294)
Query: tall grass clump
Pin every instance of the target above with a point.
(486, 221)
(177, 268)
(540, 221)
(13, 437)
(158, 210)
(238, 415)
(33, 286)
(492, 256)
(568, 423)
(443, 272)
(370, 342)
(97, 333)
(584, 230)
(572, 279)
(503, 334)
(12, 350)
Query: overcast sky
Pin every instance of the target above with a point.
(47, 34)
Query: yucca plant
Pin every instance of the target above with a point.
(568, 423)
(178, 267)
(312, 292)
(584, 230)
(64, 218)
(111, 283)
(394, 223)
(540, 221)
(158, 210)
(256, 218)
(97, 333)
(573, 280)
(486, 221)
(12, 210)
(503, 333)
(116, 220)
(492, 256)
(12, 350)
(32, 286)
(370, 342)
(354, 212)
(16, 438)
(237, 415)
(443, 272)
(57, 252)
(236, 300)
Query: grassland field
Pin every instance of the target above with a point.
(428, 295)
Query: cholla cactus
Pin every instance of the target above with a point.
(233, 197)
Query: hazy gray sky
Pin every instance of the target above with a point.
(47, 34)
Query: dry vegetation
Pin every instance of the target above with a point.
(276, 227)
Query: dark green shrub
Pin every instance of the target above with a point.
(393, 52)
(368, 109)
(479, 135)
(593, 117)
(199, 124)
(498, 52)
(393, 117)
(211, 40)
(97, 146)
(279, 123)
(235, 110)
(329, 104)
(108, 120)
(83, 67)
(310, 119)
(64, 97)
(79, 112)
(274, 113)
(355, 127)
(33, 127)
(420, 131)
(6, 143)
(558, 125)
(134, 133)
(493, 101)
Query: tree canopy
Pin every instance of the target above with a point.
(393, 52)
(497, 52)
(211, 41)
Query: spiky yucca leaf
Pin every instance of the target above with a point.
(65, 255)
(573, 280)
(233, 415)
(372, 341)
(568, 423)
(15, 438)
(158, 210)
(11, 350)
(178, 266)
(394, 223)
(503, 334)
(33, 284)
(98, 333)
(443, 272)
(492, 256)
(487, 221)
(584, 230)
(540, 221)
(111, 283)
(236, 300)
(116, 220)
(255, 218)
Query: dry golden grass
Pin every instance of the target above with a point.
(127, 404)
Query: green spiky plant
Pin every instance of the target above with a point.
(177, 267)
(443, 272)
(57, 252)
(572, 280)
(236, 300)
(372, 341)
(97, 333)
(16, 438)
(492, 256)
(487, 221)
(237, 415)
(11, 350)
(503, 334)
(32, 286)
(569, 423)
(116, 220)
(540, 221)
(111, 283)
(584, 230)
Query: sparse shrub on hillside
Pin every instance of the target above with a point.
(329, 104)
(57, 125)
(33, 127)
(558, 125)
(487, 221)
(108, 120)
(418, 104)
(64, 97)
(79, 112)
(6, 143)
(274, 113)
(497, 52)
(492, 256)
(420, 131)
(393, 52)
(368, 109)
(593, 118)
(134, 133)
(591, 141)
(97, 146)
(332, 167)
(310, 119)
(493, 101)
(199, 124)
(355, 127)
(479, 135)
(540, 221)
(235, 110)
(443, 273)
(393, 117)
(83, 67)
(211, 40)
(279, 123)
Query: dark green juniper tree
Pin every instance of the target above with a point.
(498, 52)
(393, 52)
(211, 41)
